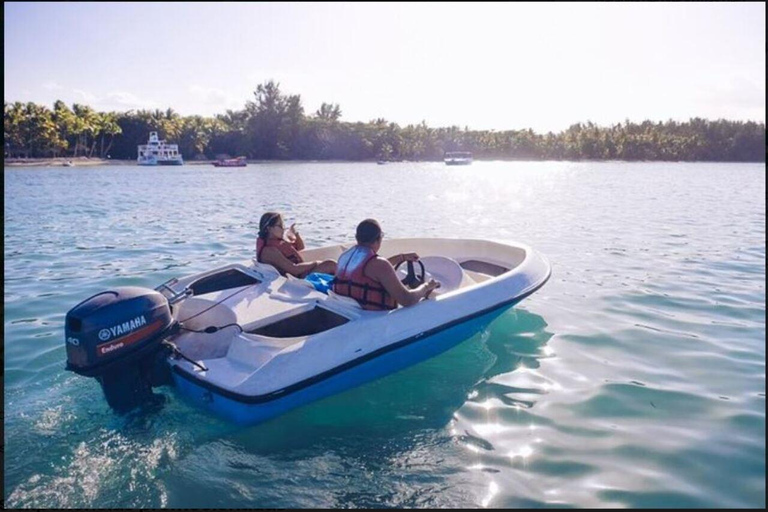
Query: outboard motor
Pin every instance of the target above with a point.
(116, 336)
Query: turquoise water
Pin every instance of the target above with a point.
(634, 378)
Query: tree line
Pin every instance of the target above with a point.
(275, 126)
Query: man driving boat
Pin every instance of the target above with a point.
(370, 279)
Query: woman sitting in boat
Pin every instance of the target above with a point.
(370, 279)
(273, 249)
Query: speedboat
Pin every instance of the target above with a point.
(248, 344)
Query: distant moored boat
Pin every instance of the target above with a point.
(458, 158)
(239, 161)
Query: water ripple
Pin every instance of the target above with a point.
(634, 378)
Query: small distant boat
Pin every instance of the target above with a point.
(382, 162)
(68, 163)
(239, 161)
(458, 158)
(157, 152)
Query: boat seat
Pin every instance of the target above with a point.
(254, 350)
(208, 346)
(297, 289)
(446, 271)
(265, 268)
(297, 282)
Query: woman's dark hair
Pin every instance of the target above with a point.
(368, 231)
(268, 220)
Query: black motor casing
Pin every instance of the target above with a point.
(116, 336)
(112, 325)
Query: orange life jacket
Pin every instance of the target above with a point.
(351, 280)
(287, 248)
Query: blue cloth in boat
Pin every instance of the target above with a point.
(322, 282)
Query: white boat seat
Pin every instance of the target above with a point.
(446, 271)
(254, 350)
(298, 290)
(265, 268)
(299, 280)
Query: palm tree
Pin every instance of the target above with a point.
(109, 127)
(329, 112)
(87, 122)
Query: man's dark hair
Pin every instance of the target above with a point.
(368, 231)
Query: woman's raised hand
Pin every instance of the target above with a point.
(291, 233)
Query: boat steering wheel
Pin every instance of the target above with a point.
(412, 280)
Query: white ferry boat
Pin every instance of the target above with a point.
(157, 152)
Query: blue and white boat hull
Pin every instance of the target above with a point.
(298, 345)
(247, 410)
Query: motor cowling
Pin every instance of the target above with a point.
(116, 337)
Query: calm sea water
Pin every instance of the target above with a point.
(634, 378)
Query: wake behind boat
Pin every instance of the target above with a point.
(248, 344)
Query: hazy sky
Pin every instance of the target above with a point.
(487, 66)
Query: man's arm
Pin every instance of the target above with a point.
(382, 271)
(399, 258)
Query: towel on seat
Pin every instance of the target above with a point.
(322, 282)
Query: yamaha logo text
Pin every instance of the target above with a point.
(123, 328)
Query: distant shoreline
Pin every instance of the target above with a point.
(79, 162)
(59, 162)
(91, 162)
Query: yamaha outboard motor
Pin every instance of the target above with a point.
(116, 336)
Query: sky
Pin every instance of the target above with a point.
(499, 66)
